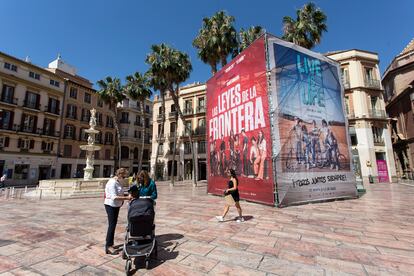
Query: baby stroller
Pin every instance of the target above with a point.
(140, 233)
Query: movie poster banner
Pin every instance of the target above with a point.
(310, 138)
(238, 127)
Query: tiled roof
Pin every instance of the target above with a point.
(408, 48)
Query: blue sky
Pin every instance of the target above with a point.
(108, 37)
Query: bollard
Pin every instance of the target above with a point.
(25, 189)
(12, 193)
(60, 196)
(40, 194)
(6, 193)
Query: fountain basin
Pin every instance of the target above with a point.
(90, 147)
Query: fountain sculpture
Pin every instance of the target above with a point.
(90, 148)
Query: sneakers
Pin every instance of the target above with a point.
(240, 219)
(220, 218)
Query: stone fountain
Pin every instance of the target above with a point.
(76, 187)
(90, 148)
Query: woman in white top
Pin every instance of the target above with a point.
(114, 198)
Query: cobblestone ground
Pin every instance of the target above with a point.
(372, 235)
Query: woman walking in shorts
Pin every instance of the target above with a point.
(232, 190)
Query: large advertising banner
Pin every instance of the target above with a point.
(238, 126)
(310, 138)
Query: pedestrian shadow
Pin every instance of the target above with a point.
(246, 218)
(166, 245)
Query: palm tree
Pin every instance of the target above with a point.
(172, 67)
(308, 27)
(112, 93)
(137, 88)
(248, 36)
(216, 40)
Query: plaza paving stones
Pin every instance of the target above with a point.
(372, 235)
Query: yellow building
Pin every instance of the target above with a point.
(192, 103)
(365, 108)
(30, 108)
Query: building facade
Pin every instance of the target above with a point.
(79, 99)
(398, 82)
(192, 101)
(31, 104)
(368, 122)
(135, 126)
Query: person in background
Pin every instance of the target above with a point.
(147, 187)
(307, 147)
(114, 198)
(253, 156)
(233, 190)
(297, 130)
(2, 180)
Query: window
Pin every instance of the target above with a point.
(188, 127)
(145, 155)
(73, 92)
(71, 111)
(48, 127)
(147, 109)
(54, 83)
(125, 118)
(161, 149)
(11, 67)
(347, 104)
(98, 138)
(187, 148)
(345, 77)
(32, 100)
(86, 115)
(25, 144)
(6, 121)
(124, 152)
(171, 146)
(377, 135)
(34, 75)
(21, 171)
(139, 106)
(108, 138)
(369, 73)
(173, 126)
(147, 124)
(28, 123)
(137, 134)
(160, 111)
(160, 130)
(109, 121)
(202, 147)
(4, 142)
(99, 119)
(202, 122)
(67, 150)
(7, 94)
(87, 98)
(53, 106)
(374, 102)
(124, 132)
(100, 102)
(70, 132)
(173, 108)
(47, 146)
(83, 136)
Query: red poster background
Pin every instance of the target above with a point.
(249, 70)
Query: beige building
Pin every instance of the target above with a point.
(368, 121)
(79, 99)
(398, 81)
(192, 101)
(135, 126)
(30, 118)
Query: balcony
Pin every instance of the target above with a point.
(50, 133)
(147, 141)
(160, 117)
(109, 142)
(200, 131)
(9, 100)
(171, 135)
(50, 110)
(201, 109)
(346, 83)
(378, 114)
(188, 111)
(172, 114)
(378, 141)
(160, 136)
(85, 119)
(372, 83)
(9, 127)
(138, 124)
(125, 121)
(31, 105)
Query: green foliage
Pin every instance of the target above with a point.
(248, 36)
(308, 27)
(111, 91)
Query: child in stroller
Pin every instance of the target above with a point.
(140, 233)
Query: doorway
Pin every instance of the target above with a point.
(65, 171)
(44, 172)
(382, 167)
(202, 170)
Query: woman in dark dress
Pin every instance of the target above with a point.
(232, 190)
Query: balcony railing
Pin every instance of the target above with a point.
(52, 110)
(137, 123)
(159, 117)
(201, 109)
(188, 111)
(27, 129)
(51, 133)
(125, 121)
(172, 114)
(160, 136)
(371, 114)
(71, 116)
(372, 83)
(109, 142)
(31, 105)
(161, 152)
(378, 141)
(9, 100)
(200, 131)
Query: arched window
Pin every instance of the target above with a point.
(136, 153)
